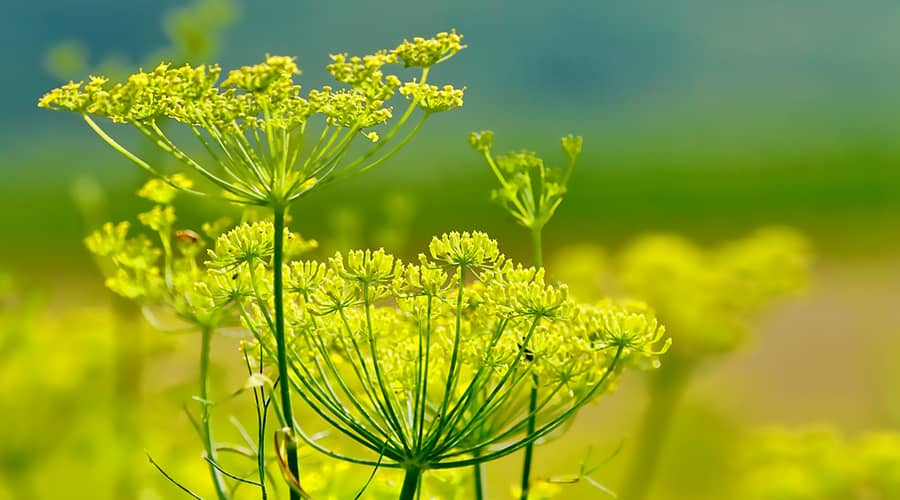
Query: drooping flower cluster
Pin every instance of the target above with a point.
(254, 121)
(430, 363)
(707, 297)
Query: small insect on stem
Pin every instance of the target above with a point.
(529, 354)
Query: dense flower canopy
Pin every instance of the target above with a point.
(253, 122)
(431, 362)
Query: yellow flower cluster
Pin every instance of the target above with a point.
(170, 274)
(433, 99)
(253, 122)
(707, 297)
(433, 361)
(426, 52)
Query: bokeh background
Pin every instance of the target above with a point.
(699, 117)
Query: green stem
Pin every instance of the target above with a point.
(529, 448)
(667, 387)
(218, 480)
(410, 483)
(480, 478)
(532, 400)
(284, 383)
(537, 246)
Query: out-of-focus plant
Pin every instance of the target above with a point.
(387, 227)
(194, 33)
(817, 463)
(258, 131)
(583, 267)
(708, 300)
(55, 367)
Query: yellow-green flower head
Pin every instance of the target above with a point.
(465, 250)
(365, 74)
(133, 253)
(142, 97)
(433, 99)
(304, 277)
(426, 52)
(535, 300)
(159, 218)
(69, 97)
(368, 268)
(708, 297)
(248, 244)
(165, 272)
(817, 462)
(428, 281)
(164, 191)
(224, 288)
(769, 263)
(571, 145)
(631, 326)
(481, 141)
(519, 162)
(108, 240)
(529, 190)
(251, 244)
(254, 123)
(345, 108)
(274, 77)
(135, 286)
(136, 274)
(423, 364)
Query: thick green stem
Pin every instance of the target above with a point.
(532, 400)
(218, 480)
(283, 383)
(666, 389)
(529, 449)
(480, 478)
(410, 483)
